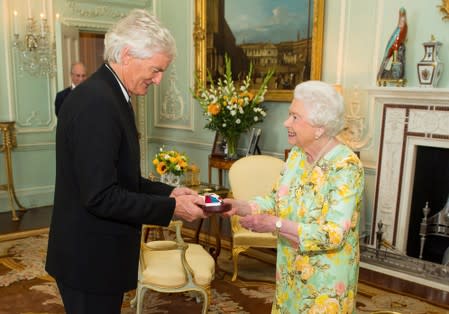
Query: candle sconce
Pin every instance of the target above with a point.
(9, 142)
(36, 49)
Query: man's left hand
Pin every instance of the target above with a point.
(182, 191)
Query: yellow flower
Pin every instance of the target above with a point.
(161, 168)
(281, 298)
(324, 304)
(170, 161)
(334, 232)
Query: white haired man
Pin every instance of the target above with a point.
(101, 199)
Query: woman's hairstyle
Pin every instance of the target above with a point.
(324, 105)
(142, 33)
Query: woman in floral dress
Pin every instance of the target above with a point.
(314, 208)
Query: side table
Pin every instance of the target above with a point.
(215, 220)
(221, 164)
(9, 142)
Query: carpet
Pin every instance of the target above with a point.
(25, 288)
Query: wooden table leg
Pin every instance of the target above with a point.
(220, 177)
(216, 223)
(209, 174)
(198, 231)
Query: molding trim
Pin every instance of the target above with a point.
(22, 234)
(50, 146)
(341, 42)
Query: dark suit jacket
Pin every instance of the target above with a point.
(60, 96)
(100, 200)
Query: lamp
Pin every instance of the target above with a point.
(36, 50)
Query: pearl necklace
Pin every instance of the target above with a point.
(319, 155)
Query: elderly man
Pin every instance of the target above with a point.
(78, 75)
(101, 199)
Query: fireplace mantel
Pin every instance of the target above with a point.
(405, 118)
(409, 95)
(409, 117)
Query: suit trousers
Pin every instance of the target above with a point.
(82, 302)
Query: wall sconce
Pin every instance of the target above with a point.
(36, 50)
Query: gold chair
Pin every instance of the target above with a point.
(171, 265)
(249, 177)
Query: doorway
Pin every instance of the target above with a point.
(91, 50)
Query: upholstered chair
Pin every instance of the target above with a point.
(172, 265)
(249, 177)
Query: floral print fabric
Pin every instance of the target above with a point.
(320, 274)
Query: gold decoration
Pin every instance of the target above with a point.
(444, 8)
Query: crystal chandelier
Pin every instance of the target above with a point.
(36, 50)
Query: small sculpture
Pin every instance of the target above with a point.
(430, 67)
(393, 61)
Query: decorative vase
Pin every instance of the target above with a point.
(171, 179)
(430, 68)
(231, 146)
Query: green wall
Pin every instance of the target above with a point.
(355, 36)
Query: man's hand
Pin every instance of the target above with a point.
(182, 191)
(187, 207)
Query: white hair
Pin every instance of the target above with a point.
(142, 33)
(324, 105)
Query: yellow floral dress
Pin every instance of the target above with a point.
(320, 275)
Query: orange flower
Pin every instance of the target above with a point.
(213, 109)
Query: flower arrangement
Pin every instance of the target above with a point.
(170, 161)
(231, 109)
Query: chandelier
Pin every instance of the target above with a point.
(36, 49)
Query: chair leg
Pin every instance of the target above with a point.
(140, 293)
(235, 257)
(206, 300)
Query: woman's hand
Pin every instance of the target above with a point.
(239, 207)
(259, 223)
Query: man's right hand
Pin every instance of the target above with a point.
(187, 207)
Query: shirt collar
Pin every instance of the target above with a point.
(124, 91)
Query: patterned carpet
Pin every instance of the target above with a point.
(25, 288)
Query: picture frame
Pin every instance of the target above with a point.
(296, 59)
(219, 146)
(253, 141)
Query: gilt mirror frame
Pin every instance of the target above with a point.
(282, 95)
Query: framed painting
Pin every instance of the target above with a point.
(284, 35)
(219, 146)
(254, 137)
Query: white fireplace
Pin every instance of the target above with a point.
(411, 117)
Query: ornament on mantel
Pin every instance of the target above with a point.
(430, 67)
(392, 67)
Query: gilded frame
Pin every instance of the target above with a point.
(281, 95)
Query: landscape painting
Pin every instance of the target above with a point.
(284, 35)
